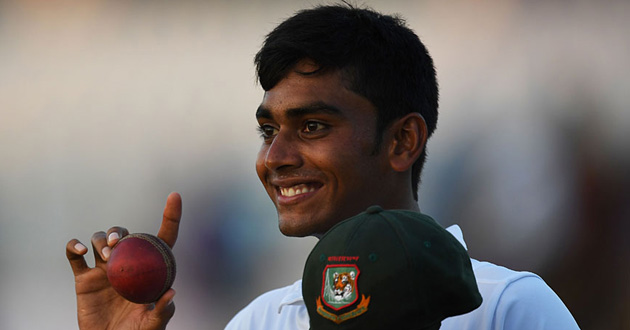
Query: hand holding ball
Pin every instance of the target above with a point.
(141, 268)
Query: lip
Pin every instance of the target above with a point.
(285, 200)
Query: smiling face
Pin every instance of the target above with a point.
(318, 161)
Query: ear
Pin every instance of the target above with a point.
(409, 137)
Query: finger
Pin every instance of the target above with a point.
(170, 220)
(74, 252)
(165, 307)
(101, 250)
(114, 234)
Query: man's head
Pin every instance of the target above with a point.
(383, 74)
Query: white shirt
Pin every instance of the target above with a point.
(511, 300)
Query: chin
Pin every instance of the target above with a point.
(294, 231)
(299, 228)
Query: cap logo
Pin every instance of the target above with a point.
(339, 290)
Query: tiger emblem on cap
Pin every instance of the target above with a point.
(343, 285)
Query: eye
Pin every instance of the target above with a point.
(313, 126)
(267, 131)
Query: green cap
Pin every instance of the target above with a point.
(393, 269)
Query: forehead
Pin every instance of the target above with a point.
(318, 92)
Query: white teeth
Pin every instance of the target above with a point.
(296, 190)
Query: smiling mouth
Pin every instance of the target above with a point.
(297, 190)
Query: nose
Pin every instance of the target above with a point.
(283, 152)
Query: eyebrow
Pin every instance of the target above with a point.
(292, 113)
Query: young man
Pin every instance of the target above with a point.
(350, 101)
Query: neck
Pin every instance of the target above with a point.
(394, 197)
(402, 204)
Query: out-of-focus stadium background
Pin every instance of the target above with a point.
(107, 106)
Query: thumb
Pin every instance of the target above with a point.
(164, 307)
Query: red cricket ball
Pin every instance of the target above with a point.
(141, 267)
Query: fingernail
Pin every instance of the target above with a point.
(170, 301)
(80, 247)
(106, 251)
(113, 236)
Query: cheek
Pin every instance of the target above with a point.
(261, 169)
(353, 160)
(359, 174)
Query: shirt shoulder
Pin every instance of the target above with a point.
(281, 308)
(512, 300)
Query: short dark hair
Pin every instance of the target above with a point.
(379, 58)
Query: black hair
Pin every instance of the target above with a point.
(378, 56)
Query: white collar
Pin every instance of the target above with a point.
(294, 294)
(457, 232)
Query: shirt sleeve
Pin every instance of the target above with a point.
(277, 309)
(243, 320)
(529, 303)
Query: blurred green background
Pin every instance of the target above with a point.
(107, 106)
